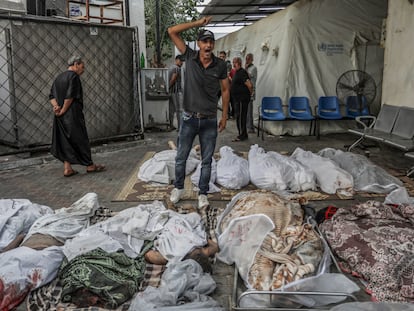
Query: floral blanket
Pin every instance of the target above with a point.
(376, 242)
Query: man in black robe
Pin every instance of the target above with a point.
(70, 141)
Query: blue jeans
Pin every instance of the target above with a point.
(206, 129)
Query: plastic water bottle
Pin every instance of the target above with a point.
(142, 60)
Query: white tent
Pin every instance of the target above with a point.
(398, 85)
(304, 49)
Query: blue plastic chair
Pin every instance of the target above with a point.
(355, 108)
(328, 109)
(271, 109)
(299, 109)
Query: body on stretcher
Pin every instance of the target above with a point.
(319, 292)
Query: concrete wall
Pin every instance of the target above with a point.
(137, 18)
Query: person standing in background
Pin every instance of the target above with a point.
(232, 108)
(252, 71)
(205, 76)
(176, 91)
(70, 141)
(240, 92)
(223, 56)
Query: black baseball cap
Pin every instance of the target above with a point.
(205, 34)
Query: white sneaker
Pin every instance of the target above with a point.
(202, 201)
(176, 195)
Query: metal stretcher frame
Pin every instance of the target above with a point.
(235, 304)
(410, 155)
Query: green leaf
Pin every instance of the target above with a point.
(172, 12)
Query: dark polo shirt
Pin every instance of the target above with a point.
(202, 85)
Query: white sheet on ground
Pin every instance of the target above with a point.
(66, 223)
(23, 269)
(399, 196)
(329, 176)
(180, 234)
(126, 230)
(17, 216)
(232, 170)
(241, 239)
(161, 167)
(265, 170)
(367, 176)
(175, 234)
(184, 286)
(273, 171)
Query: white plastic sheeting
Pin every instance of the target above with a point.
(232, 170)
(17, 216)
(23, 269)
(174, 234)
(66, 223)
(304, 49)
(273, 171)
(180, 235)
(329, 176)
(126, 230)
(161, 167)
(399, 196)
(241, 239)
(367, 176)
(184, 286)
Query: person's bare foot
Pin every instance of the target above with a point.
(68, 170)
(211, 249)
(69, 173)
(155, 258)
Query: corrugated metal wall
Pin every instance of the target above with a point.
(34, 51)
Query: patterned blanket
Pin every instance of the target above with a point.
(376, 242)
(49, 297)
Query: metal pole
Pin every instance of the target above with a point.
(137, 80)
(127, 17)
(12, 89)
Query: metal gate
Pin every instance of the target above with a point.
(33, 51)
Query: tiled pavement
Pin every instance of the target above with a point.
(39, 178)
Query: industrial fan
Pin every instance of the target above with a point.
(359, 85)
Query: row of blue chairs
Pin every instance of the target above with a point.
(271, 109)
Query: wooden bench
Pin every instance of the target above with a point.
(394, 126)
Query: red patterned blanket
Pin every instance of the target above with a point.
(376, 242)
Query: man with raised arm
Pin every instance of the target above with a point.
(205, 76)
